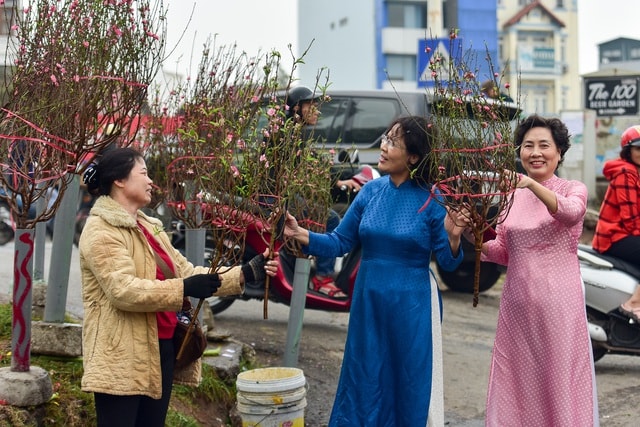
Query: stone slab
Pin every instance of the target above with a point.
(56, 339)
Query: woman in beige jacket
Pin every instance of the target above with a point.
(129, 306)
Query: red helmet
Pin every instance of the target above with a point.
(631, 136)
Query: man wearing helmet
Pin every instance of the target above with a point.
(489, 89)
(618, 228)
(302, 107)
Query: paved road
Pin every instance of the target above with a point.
(74, 295)
(468, 336)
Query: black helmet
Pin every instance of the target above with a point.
(297, 95)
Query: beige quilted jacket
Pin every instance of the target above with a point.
(121, 295)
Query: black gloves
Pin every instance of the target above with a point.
(201, 285)
(253, 271)
(205, 285)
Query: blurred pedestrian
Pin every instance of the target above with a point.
(618, 228)
(490, 90)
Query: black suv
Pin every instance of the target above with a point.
(357, 119)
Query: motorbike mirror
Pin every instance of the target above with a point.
(355, 156)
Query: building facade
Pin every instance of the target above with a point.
(366, 44)
(540, 41)
(613, 94)
(620, 53)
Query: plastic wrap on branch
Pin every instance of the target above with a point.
(231, 109)
(87, 65)
(473, 146)
(291, 175)
(312, 198)
(79, 69)
(201, 129)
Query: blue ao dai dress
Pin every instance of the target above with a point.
(392, 368)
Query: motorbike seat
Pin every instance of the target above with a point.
(618, 263)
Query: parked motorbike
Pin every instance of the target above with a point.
(281, 286)
(609, 282)
(348, 167)
(7, 222)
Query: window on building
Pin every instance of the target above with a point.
(406, 14)
(524, 2)
(560, 4)
(540, 101)
(445, 15)
(612, 54)
(536, 38)
(402, 67)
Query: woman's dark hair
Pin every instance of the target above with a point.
(418, 134)
(112, 165)
(558, 129)
(625, 153)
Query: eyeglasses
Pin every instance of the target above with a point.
(390, 142)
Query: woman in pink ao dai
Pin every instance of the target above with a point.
(542, 370)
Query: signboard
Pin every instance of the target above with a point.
(612, 96)
(445, 48)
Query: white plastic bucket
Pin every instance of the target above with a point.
(272, 397)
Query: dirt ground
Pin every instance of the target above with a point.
(320, 351)
(468, 336)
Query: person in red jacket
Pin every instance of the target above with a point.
(618, 228)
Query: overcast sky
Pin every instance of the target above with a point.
(262, 25)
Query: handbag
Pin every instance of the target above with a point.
(189, 340)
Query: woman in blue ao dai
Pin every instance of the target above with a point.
(392, 368)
